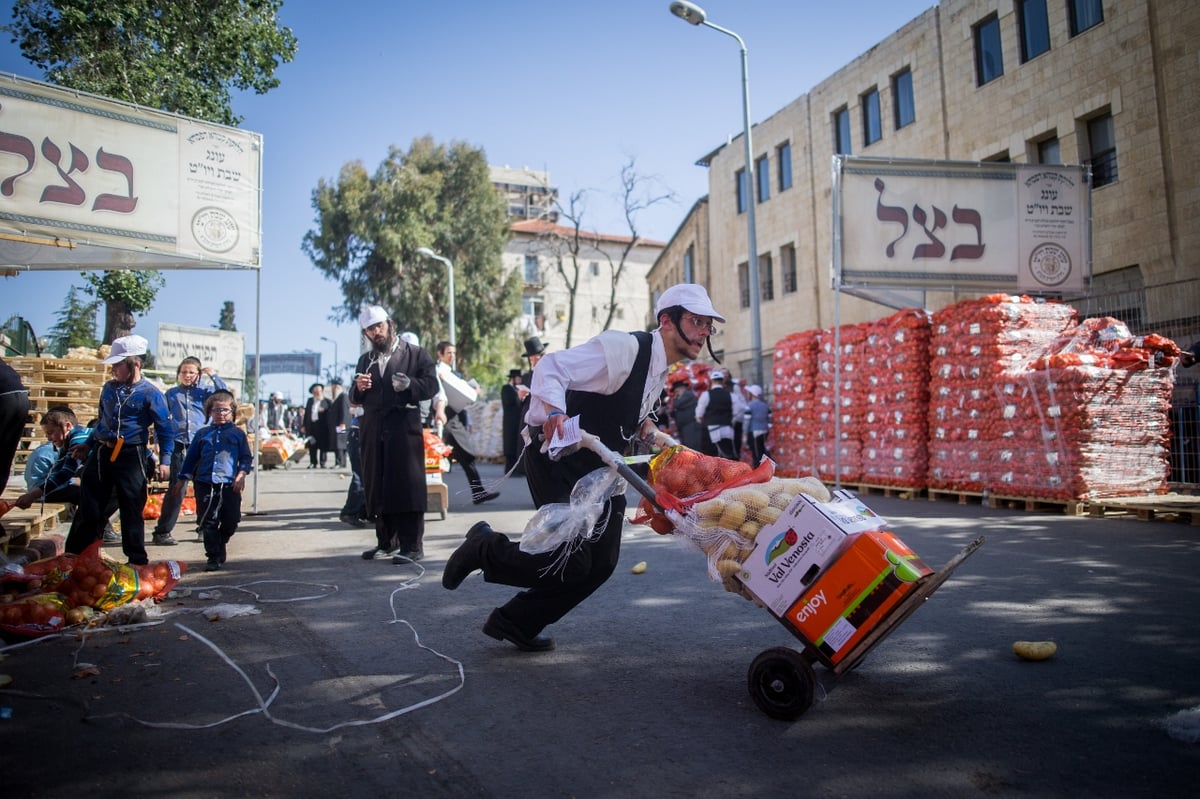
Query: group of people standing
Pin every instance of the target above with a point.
(104, 468)
(721, 419)
(325, 424)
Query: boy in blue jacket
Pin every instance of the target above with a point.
(217, 462)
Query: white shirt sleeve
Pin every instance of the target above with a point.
(701, 406)
(600, 365)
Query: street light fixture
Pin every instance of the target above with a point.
(428, 253)
(694, 15)
(336, 373)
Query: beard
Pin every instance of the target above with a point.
(381, 344)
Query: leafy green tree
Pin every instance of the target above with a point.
(76, 325)
(125, 293)
(226, 322)
(180, 56)
(369, 227)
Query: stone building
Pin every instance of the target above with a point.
(536, 250)
(1096, 82)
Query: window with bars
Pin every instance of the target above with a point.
(787, 268)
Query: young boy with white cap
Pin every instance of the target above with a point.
(116, 452)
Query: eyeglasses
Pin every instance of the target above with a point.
(707, 327)
(219, 409)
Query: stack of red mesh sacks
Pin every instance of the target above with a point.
(895, 375)
(975, 349)
(793, 416)
(1090, 417)
(838, 399)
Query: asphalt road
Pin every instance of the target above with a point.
(645, 695)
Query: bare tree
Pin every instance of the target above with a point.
(570, 243)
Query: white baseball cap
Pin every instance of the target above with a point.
(410, 337)
(691, 296)
(755, 391)
(371, 315)
(126, 346)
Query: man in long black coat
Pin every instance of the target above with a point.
(511, 397)
(390, 381)
(314, 427)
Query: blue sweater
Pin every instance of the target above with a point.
(187, 408)
(217, 453)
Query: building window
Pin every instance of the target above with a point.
(744, 285)
(594, 268)
(743, 200)
(689, 261)
(989, 60)
(762, 174)
(1102, 149)
(766, 277)
(1084, 14)
(1049, 152)
(787, 268)
(1034, 26)
(532, 274)
(904, 108)
(872, 127)
(841, 132)
(783, 164)
(534, 309)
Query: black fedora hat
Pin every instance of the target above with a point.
(514, 373)
(533, 346)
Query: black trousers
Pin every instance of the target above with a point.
(101, 479)
(550, 596)
(14, 413)
(218, 511)
(403, 531)
(172, 500)
(467, 461)
(356, 498)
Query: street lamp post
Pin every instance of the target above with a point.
(695, 15)
(428, 253)
(336, 373)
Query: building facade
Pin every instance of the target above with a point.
(538, 248)
(1096, 82)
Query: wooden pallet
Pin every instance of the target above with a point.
(1164, 507)
(877, 489)
(954, 495)
(1070, 507)
(22, 525)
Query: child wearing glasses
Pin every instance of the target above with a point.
(217, 462)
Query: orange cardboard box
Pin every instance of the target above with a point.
(869, 577)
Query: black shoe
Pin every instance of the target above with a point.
(372, 552)
(486, 497)
(499, 627)
(468, 557)
(353, 521)
(212, 566)
(407, 556)
(163, 540)
(111, 536)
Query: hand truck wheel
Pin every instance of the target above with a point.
(781, 682)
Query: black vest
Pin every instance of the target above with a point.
(720, 407)
(613, 418)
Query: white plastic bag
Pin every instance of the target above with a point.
(560, 523)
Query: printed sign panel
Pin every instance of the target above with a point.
(963, 225)
(96, 171)
(295, 363)
(223, 350)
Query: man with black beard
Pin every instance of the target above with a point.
(390, 381)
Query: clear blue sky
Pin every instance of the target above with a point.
(572, 87)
